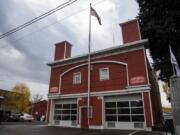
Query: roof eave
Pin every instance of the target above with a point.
(123, 47)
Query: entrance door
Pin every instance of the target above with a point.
(84, 118)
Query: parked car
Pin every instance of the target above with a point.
(26, 117)
(14, 116)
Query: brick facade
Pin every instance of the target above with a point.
(128, 87)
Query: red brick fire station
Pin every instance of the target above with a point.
(123, 94)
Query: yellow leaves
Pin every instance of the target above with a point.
(166, 91)
(19, 99)
(167, 109)
(166, 88)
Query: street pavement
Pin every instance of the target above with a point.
(36, 128)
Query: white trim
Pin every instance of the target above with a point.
(96, 127)
(100, 74)
(129, 21)
(139, 29)
(100, 98)
(78, 99)
(145, 60)
(51, 113)
(74, 78)
(78, 111)
(127, 74)
(130, 114)
(94, 62)
(65, 50)
(152, 118)
(47, 110)
(59, 90)
(81, 60)
(124, 126)
(148, 129)
(138, 86)
(142, 94)
(104, 93)
(134, 45)
(67, 123)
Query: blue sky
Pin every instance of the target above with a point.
(24, 55)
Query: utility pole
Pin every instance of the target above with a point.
(175, 101)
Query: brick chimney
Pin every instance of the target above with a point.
(130, 31)
(62, 50)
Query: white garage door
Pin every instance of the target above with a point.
(65, 113)
(124, 111)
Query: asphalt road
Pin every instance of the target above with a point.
(43, 129)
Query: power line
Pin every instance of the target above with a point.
(38, 18)
(55, 22)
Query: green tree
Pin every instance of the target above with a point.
(19, 99)
(160, 23)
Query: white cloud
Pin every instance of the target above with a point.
(12, 53)
(38, 88)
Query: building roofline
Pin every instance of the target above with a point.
(65, 41)
(128, 22)
(5, 90)
(122, 47)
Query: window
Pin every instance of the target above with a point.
(65, 112)
(123, 118)
(77, 78)
(104, 74)
(124, 111)
(136, 103)
(137, 111)
(123, 104)
(110, 104)
(111, 118)
(138, 118)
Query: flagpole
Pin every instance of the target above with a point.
(89, 66)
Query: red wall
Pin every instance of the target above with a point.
(97, 111)
(130, 31)
(97, 105)
(147, 109)
(40, 107)
(67, 86)
(118, 80)
(68, 50)
(117, 77)
(59, 51)
(62, 50)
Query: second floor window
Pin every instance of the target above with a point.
(104, 74)
(77, 78)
